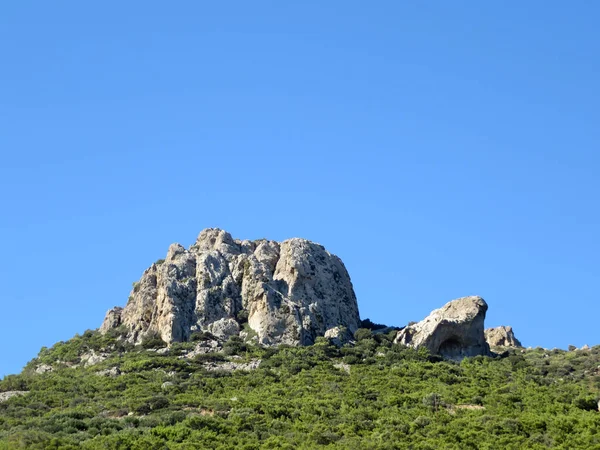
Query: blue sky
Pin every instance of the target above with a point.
(440, 149)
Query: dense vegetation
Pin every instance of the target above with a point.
(372, 395)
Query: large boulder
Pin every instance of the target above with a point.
(453, 331)
(502, 336)
(282, 293)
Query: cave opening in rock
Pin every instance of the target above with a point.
(451, 347)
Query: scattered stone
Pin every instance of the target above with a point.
(166, 385)
(289, 292)
(203, 347)
(9, 394)
(502, 336)
(112, 372)
(162, 351)
(231, 366)
(454, 331)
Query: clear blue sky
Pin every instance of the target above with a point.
(440, 149)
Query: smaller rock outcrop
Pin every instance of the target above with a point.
(338, 335)
(112, 372)
(9, 394)
(454, 331)
(91, 358)
(44, 368)
(502, 336)
(112, 319)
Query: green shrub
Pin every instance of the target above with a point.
(234, 346)
(153, 340)
(363, 333)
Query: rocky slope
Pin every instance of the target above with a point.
(283, 293)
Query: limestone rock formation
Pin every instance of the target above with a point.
(453, 331)
(285, 293)
(502, 336)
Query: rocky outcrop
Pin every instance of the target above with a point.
(9, 394)
(453, 331)
(502, 336)
(339, 336)
(283, 293)
(91, 358)
(112, 319)
(44, 368)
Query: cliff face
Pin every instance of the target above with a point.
(286, 293)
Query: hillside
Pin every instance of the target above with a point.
(259, 344)
(370, 394)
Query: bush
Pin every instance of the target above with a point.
(363, 333)
(234, 346)
(209, 357)
(201, 336)
(153, 340)
(586, 403)
(433, 401)
(242, 316)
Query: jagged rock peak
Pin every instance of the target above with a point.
(502, 336)
(454, 331)
(275, 292)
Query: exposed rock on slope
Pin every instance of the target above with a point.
(453, 331)
(9, 394)
(501, 337)
(288, 292)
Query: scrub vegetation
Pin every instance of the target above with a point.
(369, 395)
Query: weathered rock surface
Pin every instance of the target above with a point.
(91, 358)
(502, 336)
(112, 319)
(453, 331)
(288, 292)
(43, 368)
(9, 394)
(230, 366)
(339, 335)
(111, 372)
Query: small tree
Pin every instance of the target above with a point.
(432, 401)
